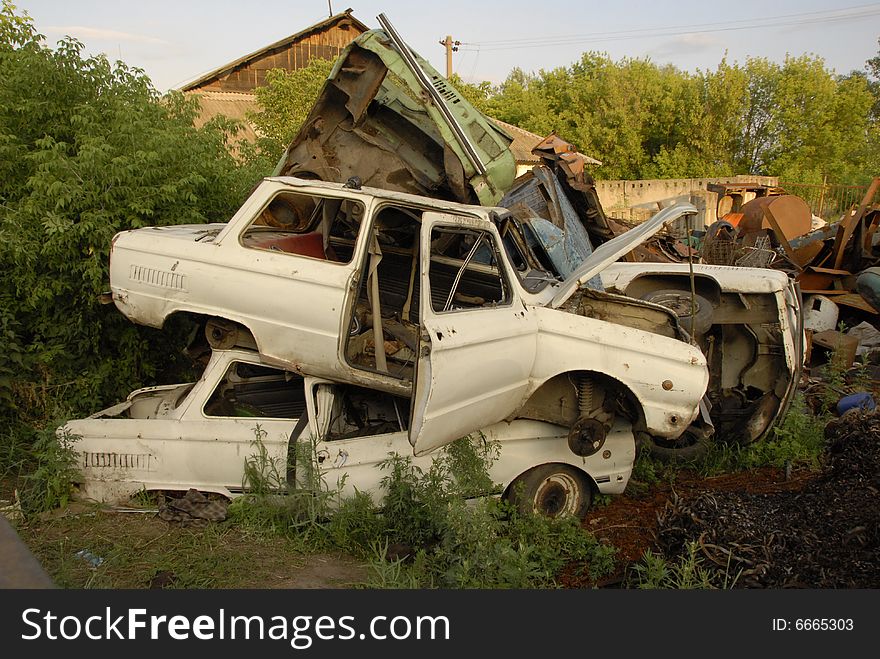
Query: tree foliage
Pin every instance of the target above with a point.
(797, 120)
(285, 102)
(88, 148)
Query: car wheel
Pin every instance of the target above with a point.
(552, 490)
(680, 303)
(689, 446)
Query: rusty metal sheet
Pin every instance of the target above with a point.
(834, 340)
(850, 225)
(815, 279)
(807, 253)
(856, 301)
(790, 212)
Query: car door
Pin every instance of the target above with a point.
(355, 430)
(244, 411)
(477, 341)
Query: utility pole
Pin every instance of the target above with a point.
(450, 47)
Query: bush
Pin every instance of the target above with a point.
(88, 149)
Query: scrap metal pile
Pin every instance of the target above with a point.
(394, 251)
(826, 535)
(834, 264)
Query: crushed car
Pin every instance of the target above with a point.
(199, 435)
(746, 321)
(388, 117)
(421, 298)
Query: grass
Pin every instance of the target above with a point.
(140, 550)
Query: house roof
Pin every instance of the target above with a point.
(524, 142)
(229, 104)
(226, 68)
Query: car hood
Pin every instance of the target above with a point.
(609, 252)
(379, 118)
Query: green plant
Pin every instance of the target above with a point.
(89, 148)
(601, 500)
(833, 375)
(797, 440)
(426, 532)
(263, 475)
(50, 485)
(355, 524)
(285, 102)
(687, 573)
(388, 573)
(468, 462)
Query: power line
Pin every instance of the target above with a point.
(786, 20)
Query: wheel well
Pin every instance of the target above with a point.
(705, 286)
(556, 400)
(197, 338)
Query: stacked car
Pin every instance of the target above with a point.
(391, 289)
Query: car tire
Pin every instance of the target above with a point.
(551, 490)
(690, 446)
(679, 302)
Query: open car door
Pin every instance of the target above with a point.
(477, 341)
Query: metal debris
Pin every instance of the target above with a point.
(826, 535)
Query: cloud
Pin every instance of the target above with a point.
(99, 34)
(685, 45)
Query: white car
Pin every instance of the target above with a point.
(199, 435)
(316, 275)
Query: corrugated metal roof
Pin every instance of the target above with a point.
(190, 86)
(228, 104)
(524, 142)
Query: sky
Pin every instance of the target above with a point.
(177, 41)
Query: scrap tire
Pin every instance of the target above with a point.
(679, 302)
(552, 490)
(690, 446)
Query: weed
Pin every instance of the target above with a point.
(388, 573)
(798, 440)
(50, 485)
(355, 524)
(263, 475)
(688, 573)
(426, 532)
(648, 471)
(833, 375)
(601, 500)
(15, 446)
(485, 543)
(468, 462)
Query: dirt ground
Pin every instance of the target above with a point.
(630, 521)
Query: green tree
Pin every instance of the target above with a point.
(87, 149)
(285, 101)
(797, 120)
(476, 94)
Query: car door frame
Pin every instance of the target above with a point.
(475, 364)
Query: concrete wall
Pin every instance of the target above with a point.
(636, 201)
